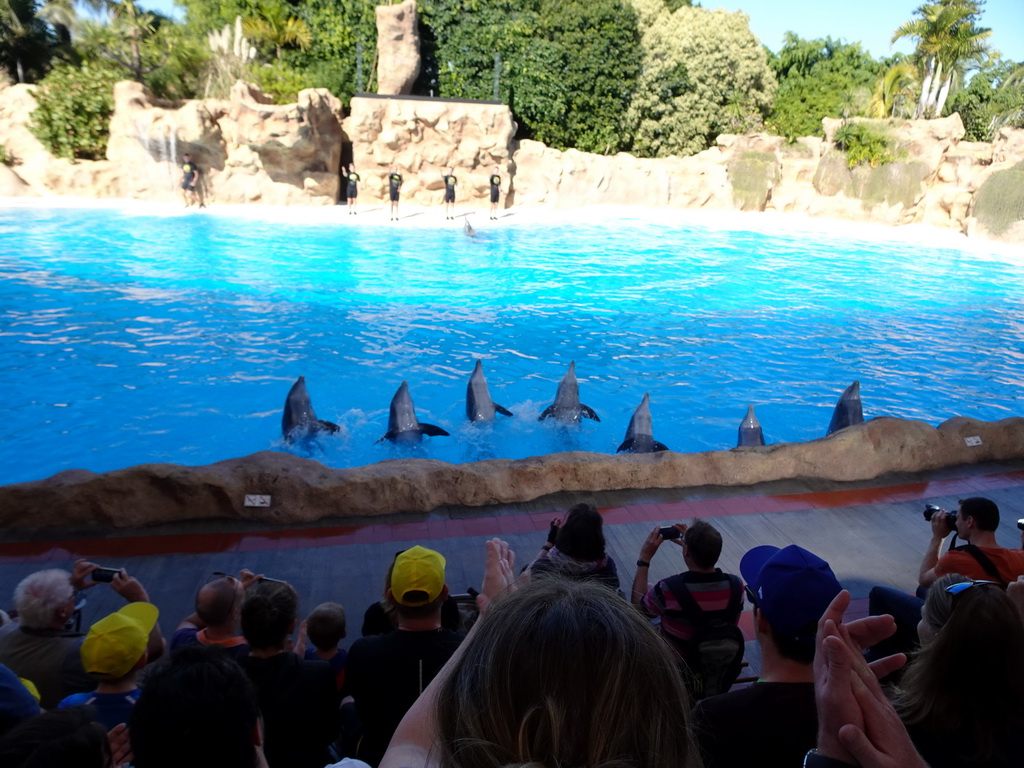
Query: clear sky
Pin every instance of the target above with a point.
(870, 22)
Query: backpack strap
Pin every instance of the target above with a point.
(984, 561)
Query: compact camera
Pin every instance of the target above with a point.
(932, 510)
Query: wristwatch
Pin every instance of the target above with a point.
(642, 564)
(814, 759)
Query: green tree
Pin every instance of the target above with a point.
(994, 98)
(704, 73)
(948, 41)
(894, 91)
(819, 78)
(567, 69)
(273, 24)
(74, 105)
(25, 40)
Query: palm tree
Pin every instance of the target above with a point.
(273, 25)
(22, 34)
(947, 39)
(894, 91)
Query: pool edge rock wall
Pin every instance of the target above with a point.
(303, 490)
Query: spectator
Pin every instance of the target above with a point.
(386, 673)
(690, 602)
(215, 621)
(554, 674)
(576, 549)
(981, 558)
(297, 697)
(382, 617)
(773, 722)
(39, 646)
(17, 704)
(198, 710)
(325, 628)
(962, 697)
(65, 738)
(113, 652)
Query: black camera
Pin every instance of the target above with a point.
(932, 510)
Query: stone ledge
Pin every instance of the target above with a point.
(303, 490)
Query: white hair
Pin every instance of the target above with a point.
(39, 595)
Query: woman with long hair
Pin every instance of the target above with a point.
(554, 674)
(962, 697)
(575, 549)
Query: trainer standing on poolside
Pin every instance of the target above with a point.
(495, 193)
(449, 192)
(353, 188)
(394, 188)
(189, 182)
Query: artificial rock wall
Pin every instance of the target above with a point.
(249, 150)
(303, 490)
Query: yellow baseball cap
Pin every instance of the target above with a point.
(417, 577)
(115, 644)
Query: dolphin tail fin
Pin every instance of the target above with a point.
(502, 410)
(659, 446)
(547, 413)
(328, 426)
(587, 411)
(627, 445)
(432, 430)
(385, 436)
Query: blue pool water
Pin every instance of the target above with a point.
(127, 339)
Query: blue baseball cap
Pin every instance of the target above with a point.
(792, 587)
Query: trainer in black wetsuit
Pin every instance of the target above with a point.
(189, 179)
(495, 192)
(449, 193)
(394, 188)
(353, 188)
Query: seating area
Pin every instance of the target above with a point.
(870, 533)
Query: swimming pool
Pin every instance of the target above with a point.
(129, 338)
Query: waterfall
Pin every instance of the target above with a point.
(159, 138)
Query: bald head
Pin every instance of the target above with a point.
(218, 602)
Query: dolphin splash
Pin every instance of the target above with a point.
(640, 433)
(849, 409)
(403, 426)
(567, 406)
(479, 406)
(299, 421)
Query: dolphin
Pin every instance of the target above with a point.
(639, 434)
(479, 406)
(750, 432)
(848, 410)
(567, 406)
(299, 420)
(467, 228)
(403, 426)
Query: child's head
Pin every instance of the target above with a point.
(115, 647)
(325, 626)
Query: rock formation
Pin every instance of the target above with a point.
(254, 151)
(398, 48)
(248, 149)
(303, 490)
(422, 137)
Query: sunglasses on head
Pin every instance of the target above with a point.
(956, 589)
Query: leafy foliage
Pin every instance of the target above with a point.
(5, 158)
(993, 99)
(704, 73)
(281, 80)
(25, 40)
(72, 118)
(819, 78)
(948, 42)
(864, 145)
(567, 69)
